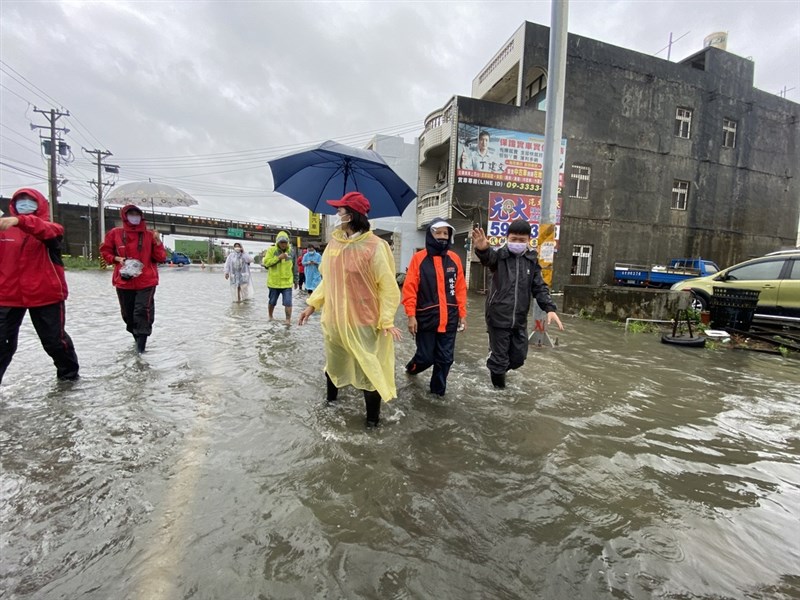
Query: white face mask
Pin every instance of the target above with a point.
(134, 219)
(338, 222)
(26, 206)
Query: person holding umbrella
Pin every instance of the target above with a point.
(360, 297)
(135, 252)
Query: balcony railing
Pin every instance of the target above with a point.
(437, 129)
(431, 206)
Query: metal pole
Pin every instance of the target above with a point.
(554, 121)
(53, 159)
(556, 78)
(91, 246)
(100, 207)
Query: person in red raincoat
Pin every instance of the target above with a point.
(32, 280)
(135, 252)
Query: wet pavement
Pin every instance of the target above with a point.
(613, 466)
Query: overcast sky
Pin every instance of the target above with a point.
(201, 94)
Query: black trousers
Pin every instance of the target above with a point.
(138, 308)
(48, 321)
(508, 349)
(435, 349)
(372, 400)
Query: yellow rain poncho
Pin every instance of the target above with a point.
(359, 297)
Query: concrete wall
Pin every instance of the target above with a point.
(619, 118)
(618, 303)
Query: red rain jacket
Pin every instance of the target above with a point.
(31, 269)
(133, 241)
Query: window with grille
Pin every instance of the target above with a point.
(581, 260)
(728, 133)
(579, 178)
(683, 123)
(680, 194)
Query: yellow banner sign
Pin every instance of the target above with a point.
(546, 243)
(313, 223)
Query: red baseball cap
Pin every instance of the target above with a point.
(353, 200)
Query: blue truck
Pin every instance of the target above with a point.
(662, 276)
(178, 258)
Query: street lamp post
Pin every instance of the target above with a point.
(89, 218)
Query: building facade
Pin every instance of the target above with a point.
(661, 159)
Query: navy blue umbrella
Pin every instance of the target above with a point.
(330, 170)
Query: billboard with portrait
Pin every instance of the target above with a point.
(503, 170)
(502, 159)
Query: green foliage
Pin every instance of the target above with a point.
(79, 263)
(643, 327)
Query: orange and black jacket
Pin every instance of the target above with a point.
(434, 290)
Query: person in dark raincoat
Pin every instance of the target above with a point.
(516, 278)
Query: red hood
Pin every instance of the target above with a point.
(126, 225)
(43, 212)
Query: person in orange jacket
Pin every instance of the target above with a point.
(32, 280)
(435, 301)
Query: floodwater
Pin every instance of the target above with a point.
(613, 466)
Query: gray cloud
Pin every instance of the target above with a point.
(201, 94)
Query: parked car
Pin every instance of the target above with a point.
(776, 276)
(178, 258)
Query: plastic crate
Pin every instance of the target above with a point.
(735, 298)
(733, 309)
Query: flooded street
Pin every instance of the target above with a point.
(613, 466)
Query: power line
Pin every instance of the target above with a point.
(15, 93)
(46, 97)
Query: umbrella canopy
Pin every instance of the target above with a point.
(147, 192)
(330, 170)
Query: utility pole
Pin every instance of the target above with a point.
(52, 116)
(99, 155)
(553, 126)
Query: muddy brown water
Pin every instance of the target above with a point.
(613, 466)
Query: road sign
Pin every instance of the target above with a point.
(235, 232)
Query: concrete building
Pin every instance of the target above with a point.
(660, 159)
(401, 232)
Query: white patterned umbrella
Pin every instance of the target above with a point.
(147, 192)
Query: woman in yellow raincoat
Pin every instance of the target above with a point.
(360, 296)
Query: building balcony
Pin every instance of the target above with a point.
(433, 205)
(438, 126)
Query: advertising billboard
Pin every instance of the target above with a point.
(502, 159)
(503, 170)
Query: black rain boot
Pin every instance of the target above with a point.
(372, 400)
(141, 343)
(499, 380)
(332, 391)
